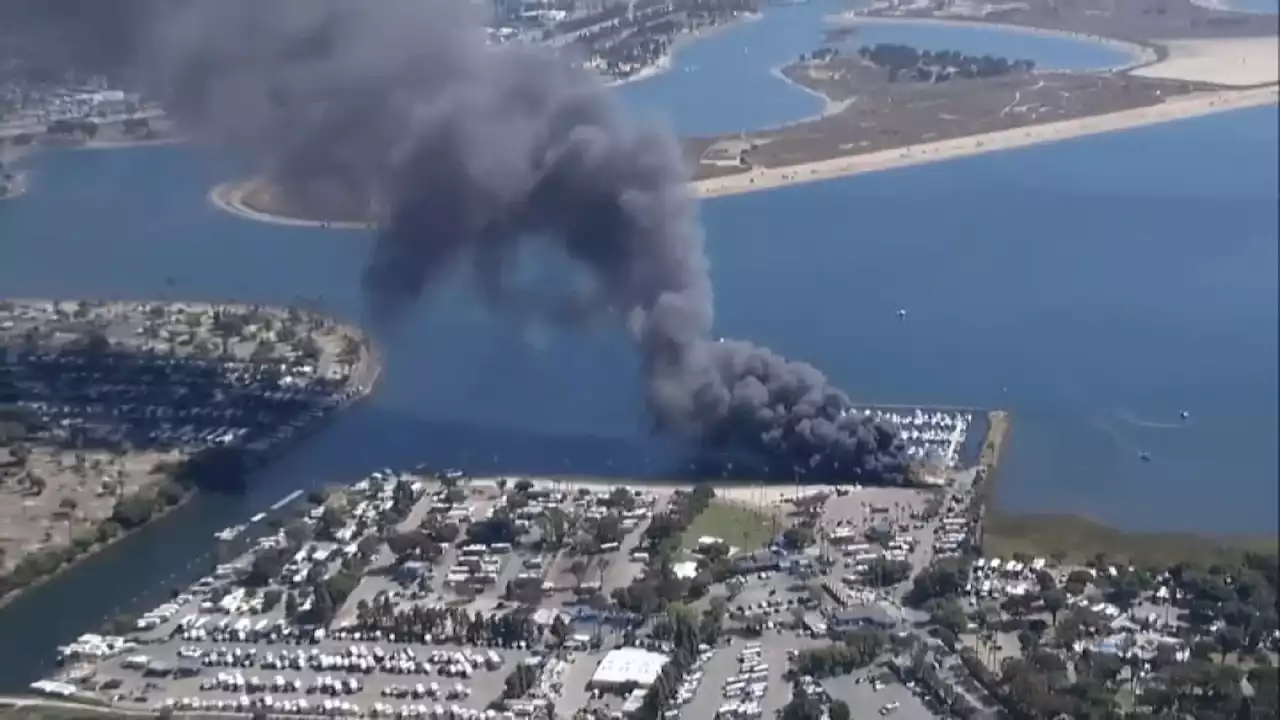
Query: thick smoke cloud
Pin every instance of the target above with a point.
(468, 152)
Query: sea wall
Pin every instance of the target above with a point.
(984, 494)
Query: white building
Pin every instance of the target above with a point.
(628, 666)
(686, 570)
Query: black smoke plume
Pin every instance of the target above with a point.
(469, 151)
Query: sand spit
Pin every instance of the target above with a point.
(230, 196)
(1186, 106)
(1233, 62)
(128, 144)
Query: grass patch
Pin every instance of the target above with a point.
(742, 527)
(1079, 539)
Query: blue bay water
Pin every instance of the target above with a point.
(724, 82)
(1095, 287)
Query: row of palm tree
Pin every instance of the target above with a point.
(444, 624)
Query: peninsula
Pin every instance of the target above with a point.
(538, 597)
(1187, 60)
(111, 413)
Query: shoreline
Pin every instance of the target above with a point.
(667, 62)
(1139, 53)
(984, 496)
(1185, 107)
(829, 107)
(1223, 6)
(127, 144)
(229, 196)
(363, 379)
(95, 550)
(995, 444)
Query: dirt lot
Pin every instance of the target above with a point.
(80, 491)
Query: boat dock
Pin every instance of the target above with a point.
(286, 500)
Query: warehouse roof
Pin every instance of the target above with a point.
(629, 665)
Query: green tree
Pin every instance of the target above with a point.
(947, 614)
(1054, 601)
(839, 710)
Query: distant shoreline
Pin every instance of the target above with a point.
(1190, 106)
(1139, 53)
(231, 196)
(667, 62)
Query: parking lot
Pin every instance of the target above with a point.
(445, 586)
(399, 675)
(745, 673)
(867, 699)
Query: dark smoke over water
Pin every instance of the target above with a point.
(469, 152)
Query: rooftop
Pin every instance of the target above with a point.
(629, 665)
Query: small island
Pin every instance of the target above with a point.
(111, 413)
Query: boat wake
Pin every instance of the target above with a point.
(1123, 442)
(1138, 422)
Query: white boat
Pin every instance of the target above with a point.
(229, 533)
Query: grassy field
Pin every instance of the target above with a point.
(741, 527)
(1078, 539)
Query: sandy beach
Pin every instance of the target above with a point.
(1233, 62)
(126, 144)
(1139, 54)
(229, 196)
(1188, 106)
